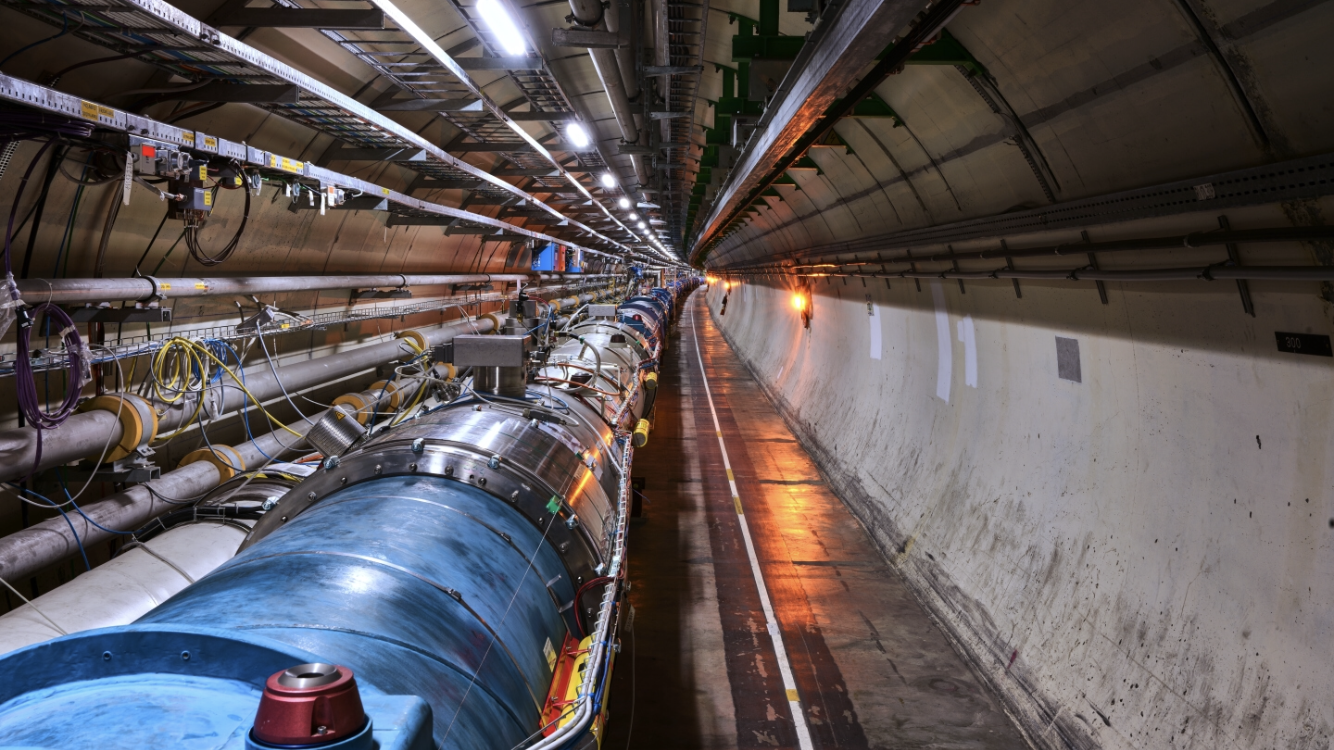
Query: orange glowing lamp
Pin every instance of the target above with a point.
(799, 301)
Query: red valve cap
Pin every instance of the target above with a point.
(309, 704)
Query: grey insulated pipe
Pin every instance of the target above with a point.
(25, 552)
(591, 13)
(146, 288)
(84, 434)
(625, 55)
(662, 56)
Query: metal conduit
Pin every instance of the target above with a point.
(1170, 242)
(591, 13)
(85, 433)
(1206, 273)
(147, 288)
(25, 552)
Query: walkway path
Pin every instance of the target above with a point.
(862, 663)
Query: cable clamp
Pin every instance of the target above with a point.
(157, 293)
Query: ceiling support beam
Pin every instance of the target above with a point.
(241, 93)
(364, 19)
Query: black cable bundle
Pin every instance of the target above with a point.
(192, 235)
(23, 125)
(79, 358)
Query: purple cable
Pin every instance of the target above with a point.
(25, 382)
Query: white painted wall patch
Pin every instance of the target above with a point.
(877, 344)
(944, 347)
(968, 337)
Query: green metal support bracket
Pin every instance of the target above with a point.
(872, 107)
(760, 40)
(833, 140)
(805, 163)
(945, 50)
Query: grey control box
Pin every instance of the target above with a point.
(602, 311)
(490, 351)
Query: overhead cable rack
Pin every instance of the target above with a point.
(544, 87)
(147, 130)
(160, 34)
(396, 55)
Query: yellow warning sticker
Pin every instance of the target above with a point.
(208, 198)
(203, 172)
(165, 286)
(792, 695)
(200, 285)
(188, 136)
(737, 502)
(210, 142)
(88, 110)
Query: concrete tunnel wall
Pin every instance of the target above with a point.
(1137, 559)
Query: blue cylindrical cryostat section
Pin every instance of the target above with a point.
(422, 585)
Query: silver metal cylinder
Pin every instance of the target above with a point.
(335, 432)
(509, 382)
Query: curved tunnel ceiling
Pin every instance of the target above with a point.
(1017, 106)
(998, 108)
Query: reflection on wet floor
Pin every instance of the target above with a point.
(700, 668)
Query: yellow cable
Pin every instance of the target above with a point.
(421, 391)
(179, 380)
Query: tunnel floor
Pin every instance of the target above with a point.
(698, 669)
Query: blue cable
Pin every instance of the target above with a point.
(60, 474)
(245, 412)
(66, 517)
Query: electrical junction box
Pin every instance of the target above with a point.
(544, 258)
(602, 311)
(196, 199)
(490, 351)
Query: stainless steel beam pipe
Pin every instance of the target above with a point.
(146, 288)
(84, 434)
(25, 552)
(28, 551)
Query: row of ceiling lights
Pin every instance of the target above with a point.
(511, 39)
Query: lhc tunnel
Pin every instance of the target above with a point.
(454, 565)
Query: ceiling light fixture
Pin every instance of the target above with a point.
(623, 203)
(577, 135)
(502, 26)
(642, 225)
(608, 181)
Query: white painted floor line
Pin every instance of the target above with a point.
(771, 622)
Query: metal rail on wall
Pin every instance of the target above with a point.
(139, 345)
